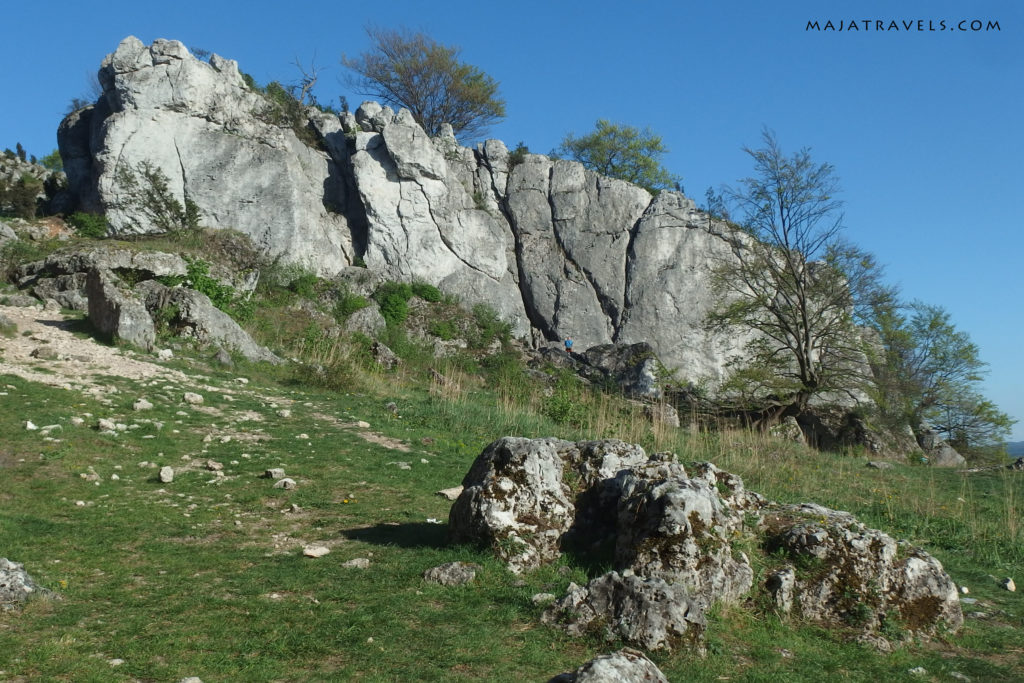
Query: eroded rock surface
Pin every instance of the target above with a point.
(680, 538)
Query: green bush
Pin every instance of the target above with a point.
(305, 285)
(444, 329)
(393, 299)
(426, 292)
(489, 327)
(349, 303)
(89, 224)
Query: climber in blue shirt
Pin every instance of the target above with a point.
(568, 345)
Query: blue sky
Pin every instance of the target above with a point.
(924, 127)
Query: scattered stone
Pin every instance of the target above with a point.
(401, 465)
(114, 477)
(115, 662)
(191, 679)
(957, 676)
(285, 483)
(44, 353)
(30, 426)
(302, 437)
(625, 666)
(539, 598)
(214, 466)
(77, 421)
(362, 425)
(284, 412)
(918, 671)
(142, 404)
(450, 494)
(358, 563)
(451, 573)
(964, 590)
(315, 550)
(192, 398)
(166, 474)
(392, 408)
(1008, 584)
(223, 358)
(165, 354)
(274, 473)
(880, 465)
(384, 356)
(45, 430)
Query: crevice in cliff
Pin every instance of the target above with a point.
(440, 234)
(627, 270)
(537, 321)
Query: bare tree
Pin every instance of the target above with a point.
(795, 284)
(414, 71)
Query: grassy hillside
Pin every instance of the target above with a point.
(205, 575)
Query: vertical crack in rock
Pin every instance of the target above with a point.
(607, 307)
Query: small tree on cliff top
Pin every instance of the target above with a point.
(623, 152)
(414, 71)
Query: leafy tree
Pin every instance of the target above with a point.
(21, 151)
(930, 372)
(795, 285)
(414, 71)
(623, 152)
(53, 161)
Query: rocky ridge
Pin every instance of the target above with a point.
(556, 249)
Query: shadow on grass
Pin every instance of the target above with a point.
(411, 535)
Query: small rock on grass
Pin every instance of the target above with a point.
(1008, 584)
(166, 474)
(285, 483)
(315, 550)
(274, 473)
(450, 494)
(142, 404)
(192, 398)
(451, 573)
(357, 563)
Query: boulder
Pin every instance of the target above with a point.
(625, 666)
(649, 613)
(368, 321)
(855, 576)
(195, 316)
(16, 586)
(680, 537)
(938, 452)
(633, 368)
(116, 313)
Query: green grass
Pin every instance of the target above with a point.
(204, 576)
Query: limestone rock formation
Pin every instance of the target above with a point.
(854, 575)
(219, 145)
(675, 532)
(557, 250)
(116, 313)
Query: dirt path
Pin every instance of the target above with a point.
(69, 361)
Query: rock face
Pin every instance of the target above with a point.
(218, 144)
(557, 250)
(674, 533)
(117, 313)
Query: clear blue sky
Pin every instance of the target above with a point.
(925, 128)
